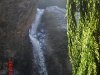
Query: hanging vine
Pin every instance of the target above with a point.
(84, 36)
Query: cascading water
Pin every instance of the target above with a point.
(37, 42)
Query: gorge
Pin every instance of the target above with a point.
(35, 39)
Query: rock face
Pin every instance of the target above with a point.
(46, 3)
(16, 16)
(56, 42)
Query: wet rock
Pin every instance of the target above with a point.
(46, 3)
(16, 16)
(56, 52)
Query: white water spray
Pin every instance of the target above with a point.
(37, 47)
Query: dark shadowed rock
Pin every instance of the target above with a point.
(46, 3)
(56, 43)
(16, 16)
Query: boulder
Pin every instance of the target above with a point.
(46, 3)
(56, 52)
(16, 17)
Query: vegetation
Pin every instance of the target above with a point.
(84, 36)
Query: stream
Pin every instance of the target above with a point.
(37, 40)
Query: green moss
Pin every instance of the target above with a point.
(84, 36)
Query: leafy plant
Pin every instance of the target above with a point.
(84, 36)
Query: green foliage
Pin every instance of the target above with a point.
(84, 36)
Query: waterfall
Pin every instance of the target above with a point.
(37, 43)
